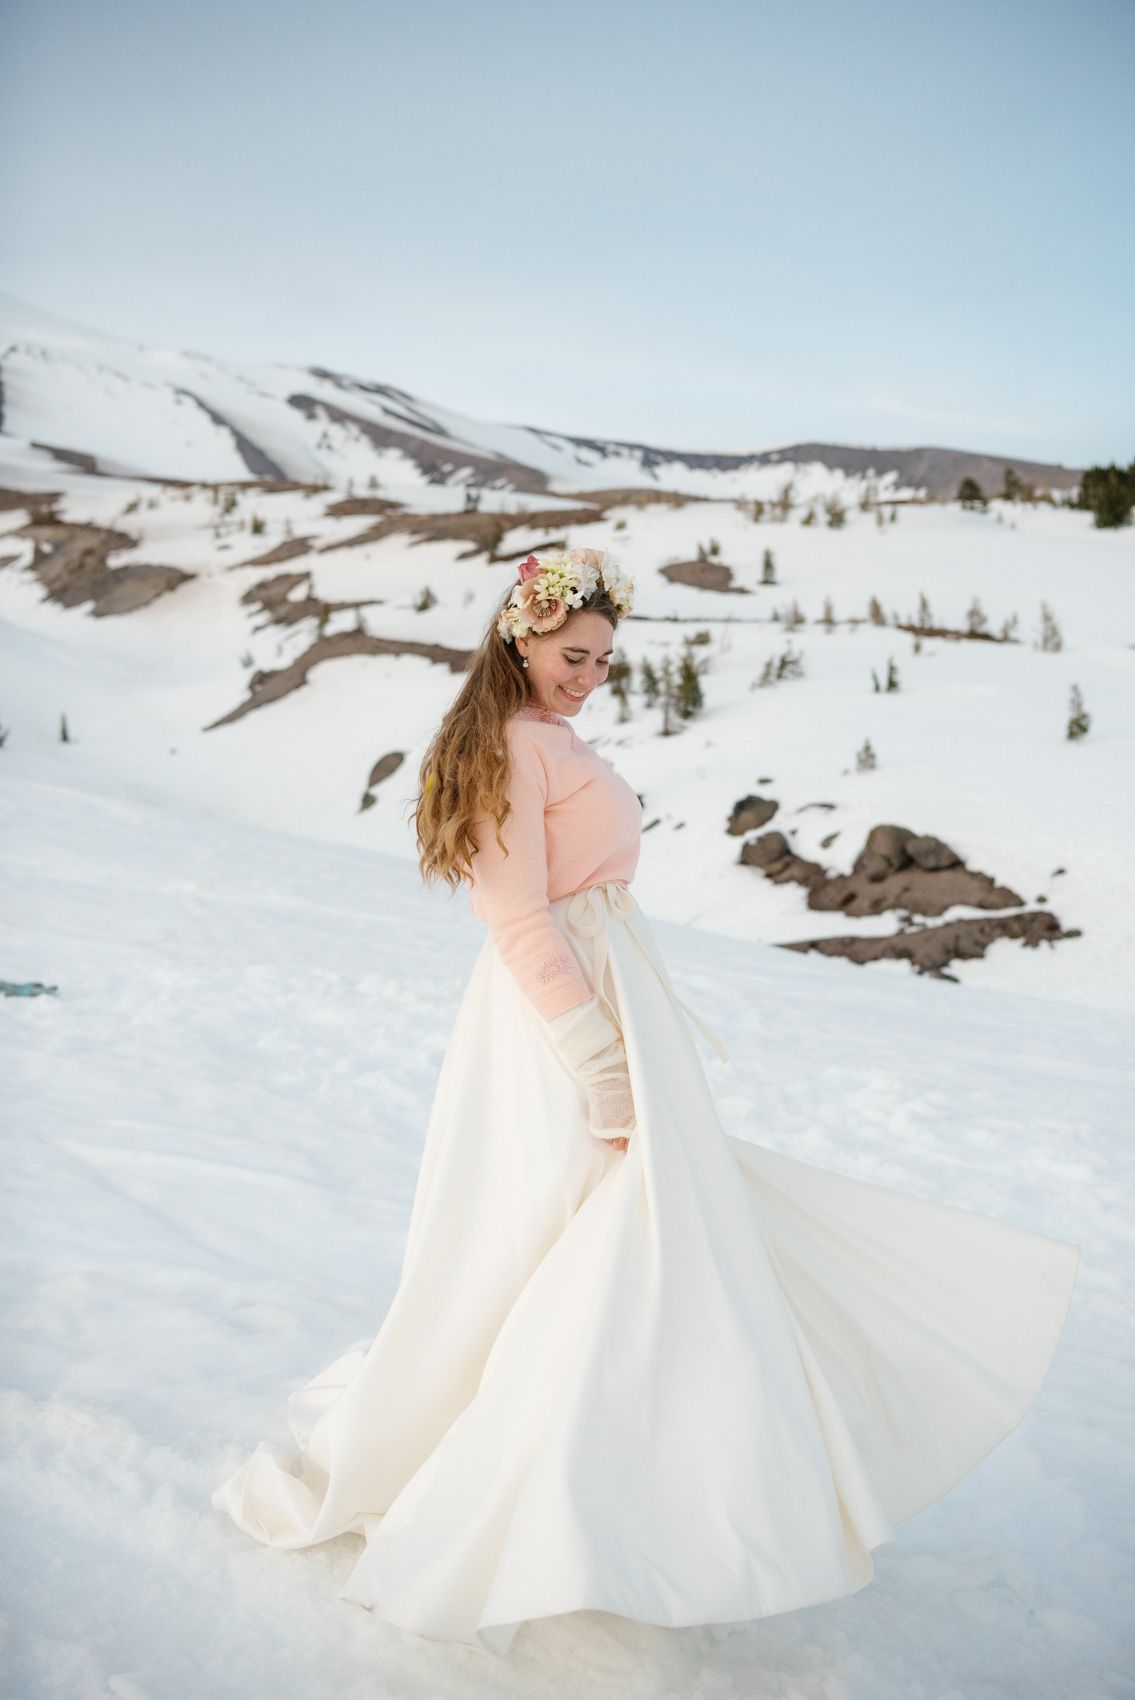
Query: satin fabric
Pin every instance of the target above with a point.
(697, 1381)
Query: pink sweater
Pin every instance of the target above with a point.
(573, 822)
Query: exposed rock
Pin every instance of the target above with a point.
(776, 858)
(382, 769)
(70, 562)
(385, 766)
(704, 575)
(896, 869)
(484, 532)
(930, 949)
(266, 687)
(285, 551)
(749, 813)
(900, 869)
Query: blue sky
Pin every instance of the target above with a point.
(715, 226)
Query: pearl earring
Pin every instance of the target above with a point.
(524, 663)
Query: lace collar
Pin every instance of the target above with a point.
(534, 711)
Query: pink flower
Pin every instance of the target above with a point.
(586, 557)
(541, 612)
(529, 568)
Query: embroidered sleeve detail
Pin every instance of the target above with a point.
(553, 966)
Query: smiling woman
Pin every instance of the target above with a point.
(633, 1364)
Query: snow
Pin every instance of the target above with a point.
(150, 412)
(212, 1130)
(212, 1137)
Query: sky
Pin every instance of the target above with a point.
(715, 227)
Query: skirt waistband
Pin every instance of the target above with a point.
(588, 914)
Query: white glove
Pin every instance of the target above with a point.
(592, 1047)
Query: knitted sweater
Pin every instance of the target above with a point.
(573, 822)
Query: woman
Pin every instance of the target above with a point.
(633, 1364)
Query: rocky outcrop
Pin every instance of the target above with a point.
(382, 769)
(749, 813)
(266, 687)
(915, 874)
(930, 949)
(896, 869)
(70, 562)
(703, 575)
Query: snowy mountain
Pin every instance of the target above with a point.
(111, 406)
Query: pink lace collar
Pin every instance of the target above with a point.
(533, 711)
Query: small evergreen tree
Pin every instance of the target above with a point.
(1051, 640)
(970, 494)
(768, 568)
(835, 512)
(651, 684)
(976, 621)
(688, 696)
(865, 757)
(1079, 719)
(64, 735)
(827, 618)
(875, 612)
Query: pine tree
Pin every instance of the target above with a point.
(1079, 719)
(970, 494)
(1109, 492)
(768, 568)
(1051, 640)
(688, 697)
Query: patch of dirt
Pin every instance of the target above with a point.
(353, 506)
(285, 551)
(382, 769)
(266, 687)
(484, 532)
(629, 498)
(704, 575)
(930, 949)
(40, 504)
(70, 562)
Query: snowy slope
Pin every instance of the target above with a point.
(169, 413)
(212, 1135)
(971, 748)
(212, 1131)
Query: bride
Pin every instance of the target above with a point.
(633, 1364)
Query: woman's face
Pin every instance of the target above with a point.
(566, 665)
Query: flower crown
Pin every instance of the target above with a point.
(551, 585)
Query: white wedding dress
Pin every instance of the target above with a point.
(697, 1381)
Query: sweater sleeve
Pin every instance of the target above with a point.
(513, 891)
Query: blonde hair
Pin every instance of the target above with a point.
(464, 774)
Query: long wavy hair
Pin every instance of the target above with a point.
(464, 774)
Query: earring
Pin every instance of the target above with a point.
(524, 663)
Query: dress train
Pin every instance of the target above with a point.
(696, 1381)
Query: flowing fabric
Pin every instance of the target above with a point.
(694, 1381)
